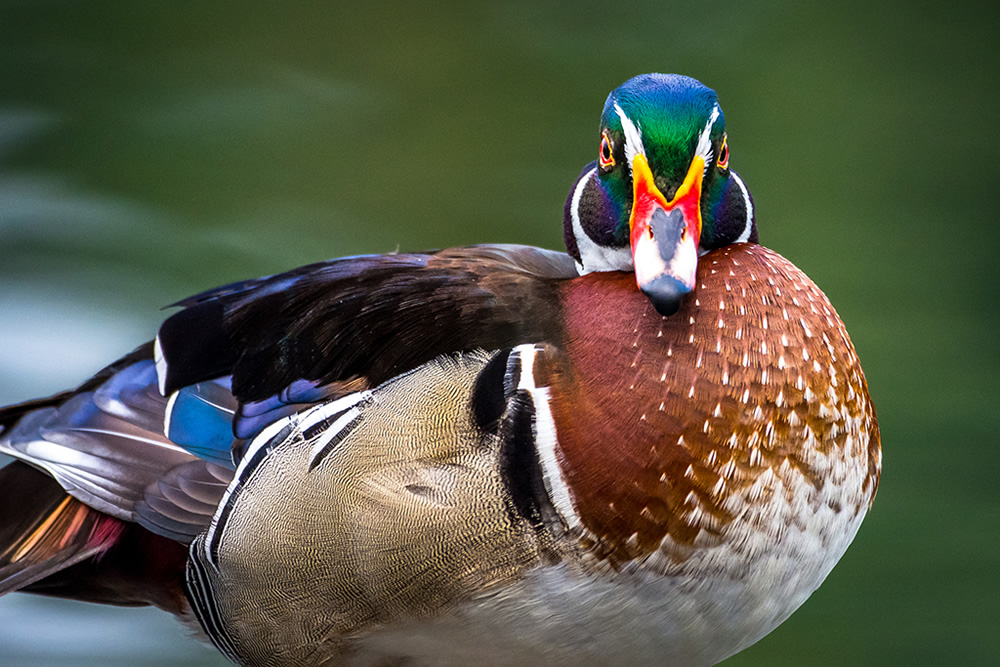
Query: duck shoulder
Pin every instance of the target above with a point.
(362, 320)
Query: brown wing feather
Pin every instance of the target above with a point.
(364, 317)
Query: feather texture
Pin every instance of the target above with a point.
(369, 317)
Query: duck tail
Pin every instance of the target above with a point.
(43, 529)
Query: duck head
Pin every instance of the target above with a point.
(661, 192)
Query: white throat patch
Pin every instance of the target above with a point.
(594, 257)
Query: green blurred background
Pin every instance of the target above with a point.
(149, 151)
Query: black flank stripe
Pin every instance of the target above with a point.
(512, 377)
(199, 592)
(327, 422)
(489, 398)
(334, 441)
(520, 467)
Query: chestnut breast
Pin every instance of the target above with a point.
(663, 421)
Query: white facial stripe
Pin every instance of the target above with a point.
(745, 235)
(583, 242)
(705, 138)
(633, 138)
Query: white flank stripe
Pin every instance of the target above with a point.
(545, 437)
(332, 432)
(261, 440)
(301, 421)
(745, 236)
(313, 416)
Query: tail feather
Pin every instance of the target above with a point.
(53, 544)
(45, 530)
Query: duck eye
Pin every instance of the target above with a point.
(723, 161)
(606, 158)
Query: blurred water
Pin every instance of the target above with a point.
(149, 152)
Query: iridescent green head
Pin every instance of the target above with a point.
(661, 191)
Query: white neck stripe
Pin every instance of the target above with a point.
(584, 245)
(745, 236)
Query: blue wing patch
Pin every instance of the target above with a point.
(199, 418)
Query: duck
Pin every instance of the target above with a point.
(648, 449)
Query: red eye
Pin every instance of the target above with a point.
(723, 161)
(606, 158)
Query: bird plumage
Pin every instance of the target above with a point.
(651, 448)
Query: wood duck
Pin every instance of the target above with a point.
(648, 450)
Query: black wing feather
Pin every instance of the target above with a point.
(369, 317)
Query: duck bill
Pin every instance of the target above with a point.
(665, 235)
